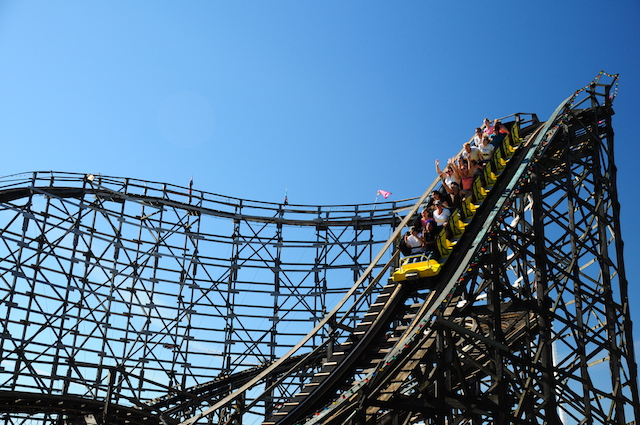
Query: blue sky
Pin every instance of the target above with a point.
(331, 100)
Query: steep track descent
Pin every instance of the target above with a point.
(114, 292)
(474, 343)
(368, 352)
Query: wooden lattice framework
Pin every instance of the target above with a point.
(121, 297)
(125, 301)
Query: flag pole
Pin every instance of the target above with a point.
(384, 194)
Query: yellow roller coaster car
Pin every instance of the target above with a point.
(416, 267)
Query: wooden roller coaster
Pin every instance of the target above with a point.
(122, 302)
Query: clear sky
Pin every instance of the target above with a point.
(330, 100)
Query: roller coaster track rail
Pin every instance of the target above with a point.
(128, 301)
(345, 392)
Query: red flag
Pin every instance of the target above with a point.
(384, 193)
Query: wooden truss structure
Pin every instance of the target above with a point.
(127, 301)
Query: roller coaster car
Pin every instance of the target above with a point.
(416, 267)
